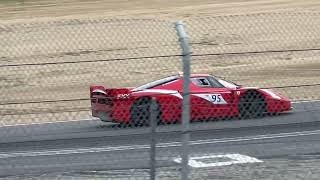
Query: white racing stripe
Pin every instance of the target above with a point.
(271, 93)
(160, 91)
(160, 145)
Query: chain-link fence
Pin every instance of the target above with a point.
(99, 79)
(49, 67)
(277, 52)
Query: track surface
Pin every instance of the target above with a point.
(47, 148)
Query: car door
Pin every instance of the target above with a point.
(209, 100)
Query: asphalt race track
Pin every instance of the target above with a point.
(90, 145)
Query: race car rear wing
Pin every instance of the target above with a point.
(102, 95)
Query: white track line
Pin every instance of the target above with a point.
(308, 101)
(195, 161)
(160, 145)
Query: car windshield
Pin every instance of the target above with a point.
(156, 83)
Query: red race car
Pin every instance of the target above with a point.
(210, 98)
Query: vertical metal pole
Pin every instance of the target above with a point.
(186, 58)
(153, 124)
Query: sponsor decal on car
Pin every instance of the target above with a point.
(123, 96)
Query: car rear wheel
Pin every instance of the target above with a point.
(252, 105)
(140, 112)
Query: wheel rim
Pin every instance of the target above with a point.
(252, 105)
(141, 113)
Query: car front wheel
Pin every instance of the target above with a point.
(252, 105)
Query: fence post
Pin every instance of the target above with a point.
(186, 59)
(153, 124)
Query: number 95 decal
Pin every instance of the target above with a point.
(216, 97)
(213, 98)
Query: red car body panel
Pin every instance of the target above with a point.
(206, 102)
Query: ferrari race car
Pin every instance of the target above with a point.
(210, 98)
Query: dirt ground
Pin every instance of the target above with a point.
(64, 33)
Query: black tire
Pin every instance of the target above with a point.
(140, 112)
(122, 125)
(252, 105)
